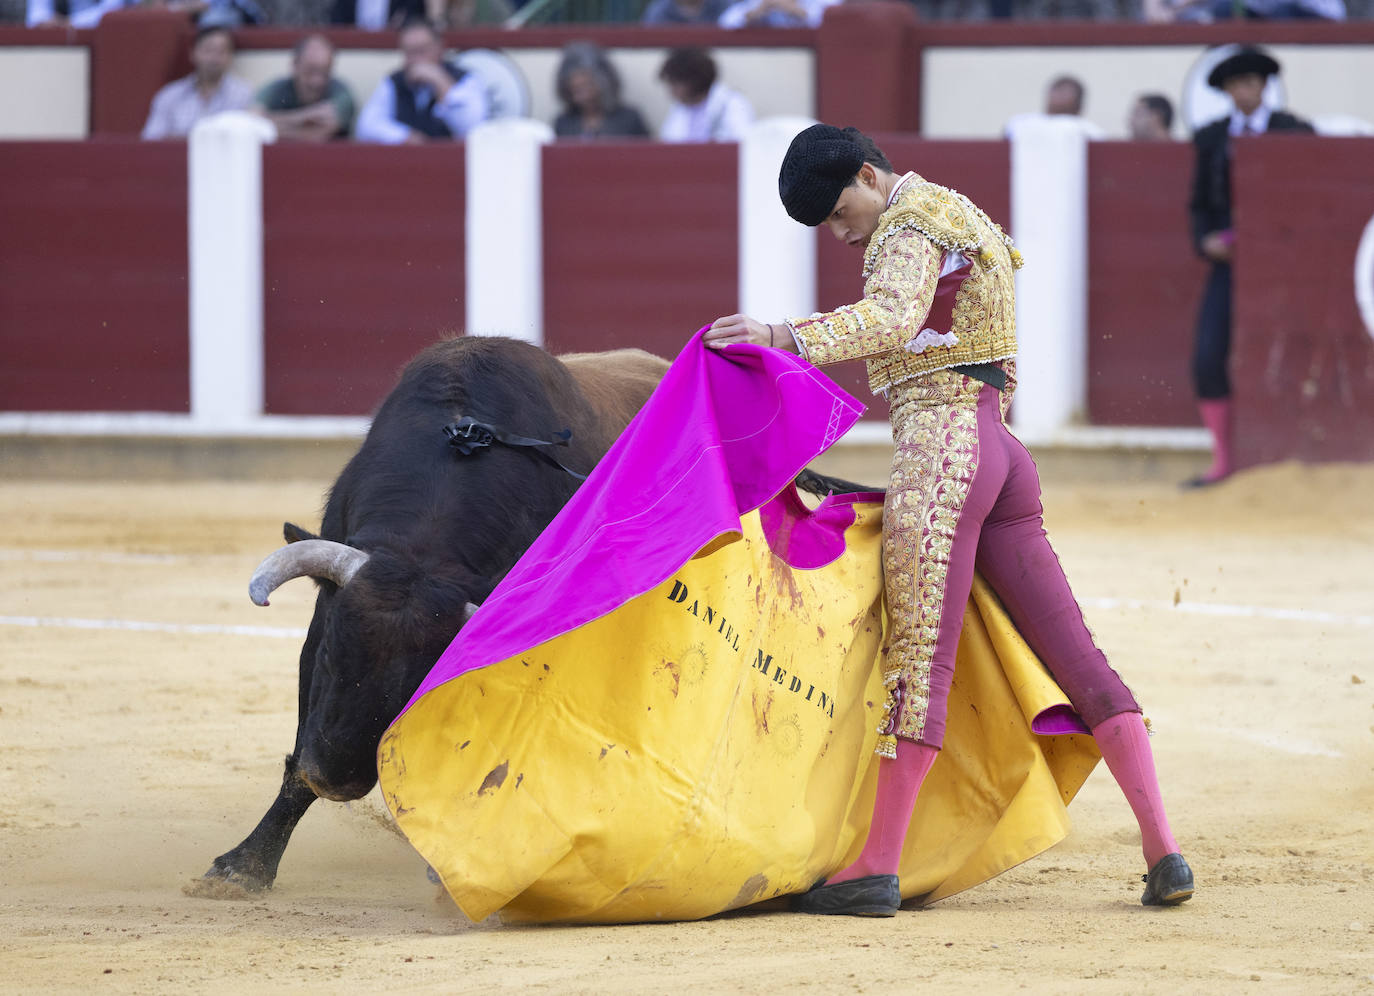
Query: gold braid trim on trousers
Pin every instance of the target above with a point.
(935, 428)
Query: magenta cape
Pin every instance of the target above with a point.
(725, 432)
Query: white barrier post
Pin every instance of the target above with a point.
(505, 244)
(224, 234)
(1049, 220)
(777, 256)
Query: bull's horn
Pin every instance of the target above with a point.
(469, 610)
(309, 558)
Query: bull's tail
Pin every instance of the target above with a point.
(821, 485)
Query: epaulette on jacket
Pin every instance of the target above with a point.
(945, 217)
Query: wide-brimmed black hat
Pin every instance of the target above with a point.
(819, 164)
(1247, 60)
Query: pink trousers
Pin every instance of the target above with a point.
(964, 494)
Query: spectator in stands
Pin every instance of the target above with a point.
(209, 89)
(1151, 118)
(1243, 77)
(1253, 10)
(775, 13)
(589, 88)
(310, 105)
(427, 99)
(374, 15)
(466, 13)
(70, 13)
(685, 11)
(704, 109)
(1064, 101)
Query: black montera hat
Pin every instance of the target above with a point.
(1247, 60)
(819, 164)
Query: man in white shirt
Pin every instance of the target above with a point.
(775, 13)
(1064, 99)
(704, 109)
(76, 13)
(427, 99)
(209, 89)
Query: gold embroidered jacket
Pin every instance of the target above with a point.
(902, 265)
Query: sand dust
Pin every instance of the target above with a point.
(136, 748)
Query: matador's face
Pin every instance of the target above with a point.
(855, 216)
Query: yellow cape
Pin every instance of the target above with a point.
(709, 745)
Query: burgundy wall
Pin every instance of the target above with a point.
(134, 52)
(363, 256)
(93, 297)
(868, 69)
(1302, 365)
(1144, 284)
(640, 243)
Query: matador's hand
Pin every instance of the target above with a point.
(734, 329)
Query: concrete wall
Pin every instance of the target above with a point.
(55, 83)
(971, 91)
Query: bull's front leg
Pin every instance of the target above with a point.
(252, 866)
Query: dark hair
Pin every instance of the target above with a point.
(590, 57)
(211, 29)
(1159, 104)
(872, 154)
(1073, 83)
(305, 40)
(692, 67)
(415, 21)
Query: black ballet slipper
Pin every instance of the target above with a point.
(873, 895)
(1169, 883)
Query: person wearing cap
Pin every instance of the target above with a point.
(936, 326)
(1243, 77)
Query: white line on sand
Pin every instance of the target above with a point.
(1241, 611)
(198, 629)
(1280, 742)
(1191, 608)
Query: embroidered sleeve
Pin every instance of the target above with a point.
(897, 297)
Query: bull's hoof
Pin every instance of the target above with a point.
(225, 881)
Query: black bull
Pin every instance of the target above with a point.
(416, 535)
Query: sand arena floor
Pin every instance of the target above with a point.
(142, 733)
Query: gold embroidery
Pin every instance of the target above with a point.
(935, 422)
(902, 265)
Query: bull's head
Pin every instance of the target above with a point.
(381, 621)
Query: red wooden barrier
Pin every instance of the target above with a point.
(868, 70)
(640, 243)
(93, 296)
(1302, 366)
(134, 52)
(1144, 284)
(364, 265)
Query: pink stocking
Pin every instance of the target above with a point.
(1125, 746)
(1216, 415)
(899, 782)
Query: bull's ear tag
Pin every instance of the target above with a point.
(468, 435)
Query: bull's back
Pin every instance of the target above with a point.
(616, 383)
